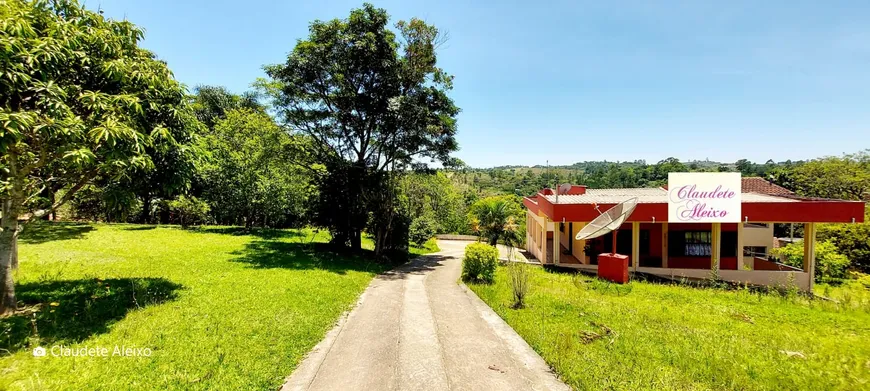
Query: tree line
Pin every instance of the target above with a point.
(91, 121)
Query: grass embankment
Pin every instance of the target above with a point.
(218, 308)
(653, 336)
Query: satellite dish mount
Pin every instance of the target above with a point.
(608, 221)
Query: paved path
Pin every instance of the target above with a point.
(416, 328)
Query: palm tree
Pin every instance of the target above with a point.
(495, 218)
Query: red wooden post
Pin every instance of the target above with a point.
(614, 243)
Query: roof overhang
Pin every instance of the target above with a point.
(796, 211)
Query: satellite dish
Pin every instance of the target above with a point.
(608, 221)
(564, 188)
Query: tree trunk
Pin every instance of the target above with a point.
(8, 254)
(379, 244)
(356, 240)
(9, 235)
(146, 210)
(53, 213)
(15, 253)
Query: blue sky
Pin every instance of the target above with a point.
(573, 81)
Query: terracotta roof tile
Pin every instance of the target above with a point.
(762, 186)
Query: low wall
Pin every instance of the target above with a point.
(752, 277)
(763, 264)
(456, 237)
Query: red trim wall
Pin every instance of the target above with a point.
(531, 205)
(655, 239)
(803, 211)
(762, 264)
(725, 263)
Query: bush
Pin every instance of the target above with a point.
(87, 204)
(109, 203)
(851, 240)
(830, 265)
(519, 278)
(422, 229)
(479, 263)
(188, 211)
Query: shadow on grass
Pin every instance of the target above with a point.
(419, 265)
(140, 228)
(275, 254)
(70, 311)
(45, 231)
(262, 233)
(323, 256)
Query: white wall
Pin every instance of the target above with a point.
(758, 236)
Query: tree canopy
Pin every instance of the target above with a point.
(78, 98)
(372, 101)
(247, 175)
(842, 177)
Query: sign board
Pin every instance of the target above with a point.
(704, 197)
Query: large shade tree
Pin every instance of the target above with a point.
(247, 172)
(373, 101)
(78, 99)
(845, 177)
(211, 103)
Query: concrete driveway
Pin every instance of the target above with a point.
(416, 328)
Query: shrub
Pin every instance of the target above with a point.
(87, 204)
(189, 210)
(109, 203)
(422, 229)
(830, 265)
(479, 263)
(851, 240)
(519, 278)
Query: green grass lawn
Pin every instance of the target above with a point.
(655, 336)
(219, 309)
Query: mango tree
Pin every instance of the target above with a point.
(78, 99)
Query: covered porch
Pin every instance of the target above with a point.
(737, 252)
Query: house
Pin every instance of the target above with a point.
(738, 251)
(758, 238)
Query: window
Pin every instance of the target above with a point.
(623, 242)
(755, 251)
(755, 225)
(700, 244)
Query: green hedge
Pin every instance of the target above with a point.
(479, 263)
(830, 265)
